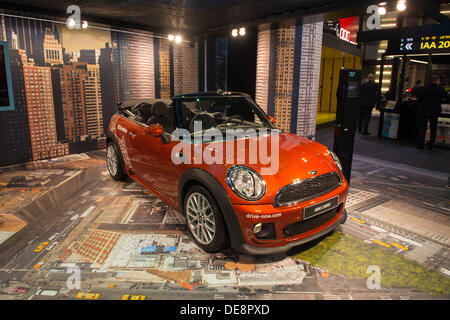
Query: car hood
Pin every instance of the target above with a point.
(298, 159)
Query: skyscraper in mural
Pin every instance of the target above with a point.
(184, 66)
(221, 63)
(283, 77)
(287, 75)
(72, 79)
(135, 64)
(89, 55)
(52, 48)
(93, 101)
(15, 144)
(108, 83)
(212, 63)
(162, 72)
(262, 68)
(41, 113)
(57, 102)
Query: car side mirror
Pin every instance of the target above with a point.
(154, 130)
(165, 138)
(272, 119)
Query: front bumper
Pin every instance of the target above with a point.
(240, 219)
(253, 250)
(284, 219)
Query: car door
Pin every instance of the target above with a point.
(165, 175)
(135, 144)
(152, 164)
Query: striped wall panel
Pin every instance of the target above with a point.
(262, 69)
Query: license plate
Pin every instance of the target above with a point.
(319, 208)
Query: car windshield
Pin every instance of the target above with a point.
(221, 112)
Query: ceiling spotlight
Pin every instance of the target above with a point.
(401, 5)
(84, 25)
(234, 32)
(171, 37)
(178, 39)
(382, 10)
(71, 22)
(242, 31)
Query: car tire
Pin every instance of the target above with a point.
(345, 217)
(114, 162)
(204, 220)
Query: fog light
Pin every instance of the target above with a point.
(264, 231)
(257, 228)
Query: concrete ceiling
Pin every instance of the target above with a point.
(189, 16)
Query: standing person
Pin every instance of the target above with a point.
(368, 98)
(416, 90)
(431, 98)
(415, 117)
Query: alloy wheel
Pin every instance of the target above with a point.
(200, 218)
(111, 160)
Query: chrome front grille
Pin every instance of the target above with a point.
(307, 189)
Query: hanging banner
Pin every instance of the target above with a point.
(345, 28)
(348, 29)
(419, 44)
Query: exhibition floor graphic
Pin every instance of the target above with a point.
(67, 214)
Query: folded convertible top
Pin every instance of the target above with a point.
(131, 103)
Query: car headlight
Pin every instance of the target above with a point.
(336, 159)
(246, 182)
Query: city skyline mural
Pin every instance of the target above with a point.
(67, 83)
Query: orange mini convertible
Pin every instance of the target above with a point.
(197, 153)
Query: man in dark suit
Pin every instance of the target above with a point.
(431, 98)
(368, 98)
(416, 90)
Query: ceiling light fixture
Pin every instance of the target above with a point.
(234, 32)
(401, 5)
(71, 22)
(242, 31)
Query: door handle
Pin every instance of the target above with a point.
(132, 134)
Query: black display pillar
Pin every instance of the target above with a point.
(241, 62)
(346, 115)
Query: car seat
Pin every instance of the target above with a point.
(146, 111)
(142, 111)
(160, 112)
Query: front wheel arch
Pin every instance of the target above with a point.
(201, 177)
(197, 221)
